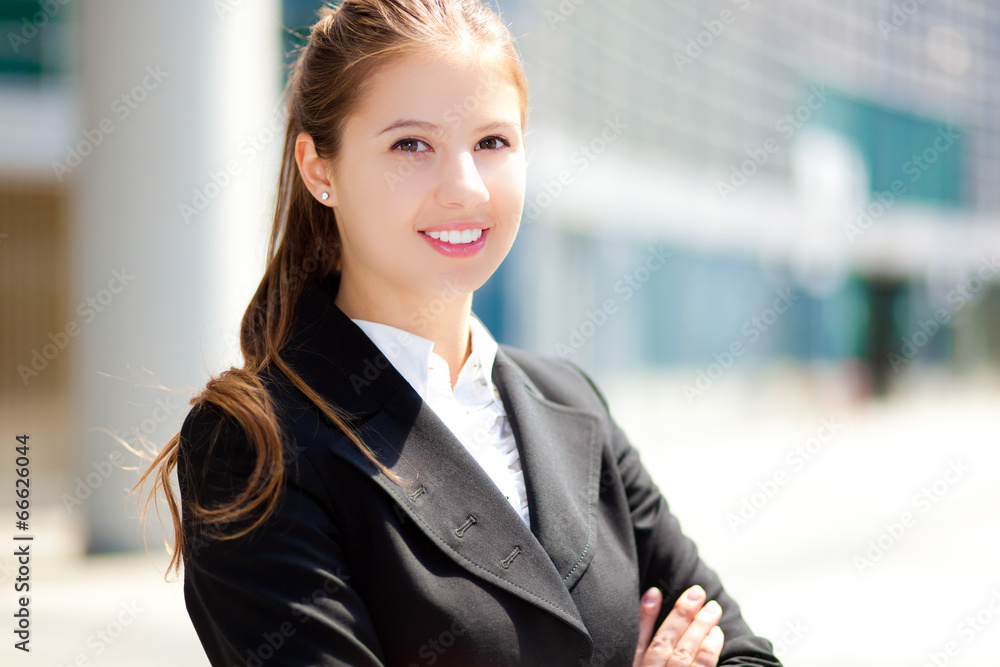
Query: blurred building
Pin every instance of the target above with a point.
(712, 185)
(846, 152)
(132, 142)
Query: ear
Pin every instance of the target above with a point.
(313, 170)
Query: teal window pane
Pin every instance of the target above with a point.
(34, 37)
(920, 157)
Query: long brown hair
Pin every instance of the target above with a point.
(346, 47)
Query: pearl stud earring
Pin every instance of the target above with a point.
(324, 196)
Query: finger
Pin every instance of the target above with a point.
(649, 609)
(674, 626)
(697, 632)
(711, 649)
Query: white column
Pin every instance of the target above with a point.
(170, 208)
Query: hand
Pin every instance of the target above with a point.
(689, 636)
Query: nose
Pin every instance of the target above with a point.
(461, 184)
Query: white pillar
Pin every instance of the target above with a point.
(176, 100)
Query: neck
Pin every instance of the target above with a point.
(443, 319)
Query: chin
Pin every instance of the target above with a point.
(465, 281)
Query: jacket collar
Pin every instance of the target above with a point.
(558, 446)
(413, 357)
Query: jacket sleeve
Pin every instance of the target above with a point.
(669, 560)
(282, 594)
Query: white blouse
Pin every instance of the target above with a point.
(472, 411)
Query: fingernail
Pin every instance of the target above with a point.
(649, 597)
(711, 608)
(715, 633)
(695, 593)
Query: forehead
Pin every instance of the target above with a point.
(447, 91)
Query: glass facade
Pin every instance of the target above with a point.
(910, 88)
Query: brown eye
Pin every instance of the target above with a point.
(409, 145)
(493, 143)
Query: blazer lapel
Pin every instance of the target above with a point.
(560, 457)
(449, 496)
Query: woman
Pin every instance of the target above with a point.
(382, 484)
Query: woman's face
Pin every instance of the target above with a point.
(435, 149)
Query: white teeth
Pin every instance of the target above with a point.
(455, 236)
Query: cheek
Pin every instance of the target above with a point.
(401, 184)
(507, 184)
(387, 193)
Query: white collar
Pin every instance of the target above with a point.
(414, 357)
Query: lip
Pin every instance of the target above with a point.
(457, 249)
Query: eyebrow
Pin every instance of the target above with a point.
(432, 127)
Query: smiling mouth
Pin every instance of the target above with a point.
(456, 237)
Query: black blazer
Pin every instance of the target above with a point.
(354, 569)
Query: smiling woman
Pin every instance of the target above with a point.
(452, 218)
(382, 483)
